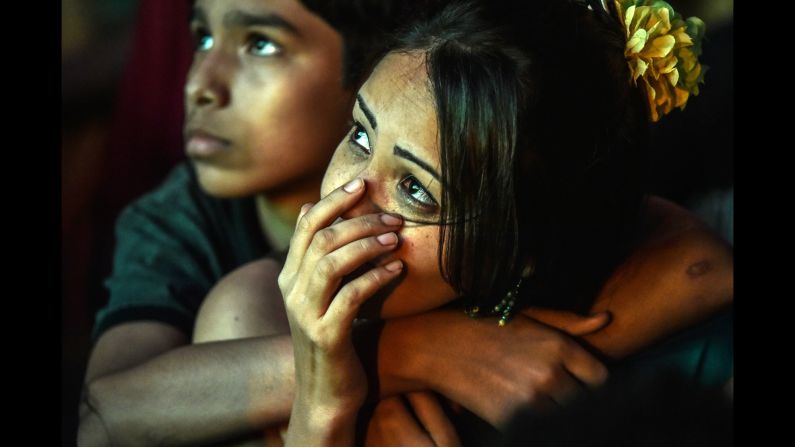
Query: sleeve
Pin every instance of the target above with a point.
(165, 261)
(703, 353)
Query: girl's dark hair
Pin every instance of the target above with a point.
(541, 141)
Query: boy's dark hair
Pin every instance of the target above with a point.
(364, 26)
(542, 141)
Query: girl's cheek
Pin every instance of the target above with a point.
(419, 245)
(334, 177)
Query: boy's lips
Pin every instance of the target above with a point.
(200, 144)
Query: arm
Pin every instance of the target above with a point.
(522, 362)
(145, 386)
(653, 283)
(681, 274)
(417, 420)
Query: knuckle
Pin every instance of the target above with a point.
(547, 378)
(304, 224)
(365, 244)
(290, 305)
(284, 280)
(557, 346)
(374, 276)
(601, 374)
(368, 223)
(352, 293)
(326, 267)
(325, 238)
(526, 395)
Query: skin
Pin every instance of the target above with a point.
(331, 384)
(266, 92)
(401, 114)
(146, 384)
(272, 99)
(397, 106)
(316, 324)
(412, 350)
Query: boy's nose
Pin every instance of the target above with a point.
(208, 81)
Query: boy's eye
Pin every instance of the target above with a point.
(359, 136)
(260, 45)
(204, 41)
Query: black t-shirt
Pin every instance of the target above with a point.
(172, 246)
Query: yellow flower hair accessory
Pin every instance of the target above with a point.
(662, 49)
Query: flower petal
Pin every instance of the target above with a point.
(673, 77)
(666, 65)
(681, 98)
(639, 69)
(660, 47)
(636, 43)
(628, 17)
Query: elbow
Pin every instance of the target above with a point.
(709, 270)
(98, 428)
(91, 431)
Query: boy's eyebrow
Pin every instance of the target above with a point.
(197, 15)
(403, 153)
(239, 18)
(367, 112)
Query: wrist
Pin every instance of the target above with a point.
(319, 425)
(411, 350)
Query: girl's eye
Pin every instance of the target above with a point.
(360, 138)
(204, 41)
(260, 45)
(417, 193)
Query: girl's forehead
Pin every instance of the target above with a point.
(400, 82)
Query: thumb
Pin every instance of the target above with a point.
(574, 324)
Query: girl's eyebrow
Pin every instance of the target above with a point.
(403, 153)
(367, 112)
(397, 150)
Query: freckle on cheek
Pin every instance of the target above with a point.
(699, 269)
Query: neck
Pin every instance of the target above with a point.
(278, 211)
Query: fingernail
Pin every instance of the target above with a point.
(388, 239)
(389, 219)
(394, 266)
(353, 185)
(305, 208)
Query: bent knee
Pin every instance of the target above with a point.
(245, 303)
